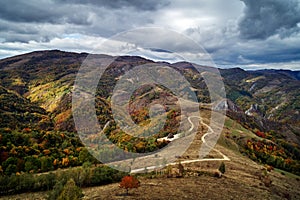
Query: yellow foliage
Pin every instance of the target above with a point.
(65, 162)
(55, 162)
(61, 117)
(78, 149)
(26, 149)
(46, 151)
(140, 145)
(7, 129)
(67, 151)
(13, 151)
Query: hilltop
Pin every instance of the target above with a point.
(36, 123)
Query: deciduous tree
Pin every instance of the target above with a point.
(129, 182)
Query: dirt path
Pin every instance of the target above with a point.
(210, 131)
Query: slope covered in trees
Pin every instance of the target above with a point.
(38, 134)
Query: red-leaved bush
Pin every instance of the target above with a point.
(129, 182)
(260, 134)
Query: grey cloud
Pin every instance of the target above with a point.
(22, 11)
(116, 4)
(271, 50)
(21, 29)
(22, 21)
(264, 18)
(25, 32)
(266, 31)
(42, 12)
(24, 38)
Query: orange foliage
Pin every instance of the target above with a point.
(140, 146)
(78, 149)
(26, 149)
(67, 151)
(288, 161)
(7, 129)
(55, 162)
(129, 182)
(13, 151)
(43, 144)
(26, 130)
(46, 151)
(65, 161)
(60, 118)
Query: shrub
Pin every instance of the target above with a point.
(180, 170)
(57, 189)
(222, 168)
(269, 168)
(84, 177)
(70, 191)
(267, 181)
(260, 134)
(67, 192)
(129, 182)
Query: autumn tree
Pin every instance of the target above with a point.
(129, 182)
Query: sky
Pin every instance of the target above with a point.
(235, 33)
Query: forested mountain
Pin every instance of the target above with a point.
(35, 108)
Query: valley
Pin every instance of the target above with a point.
(259, 142)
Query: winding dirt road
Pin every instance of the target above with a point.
(210, 131)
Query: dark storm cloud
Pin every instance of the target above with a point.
(38, 20)
(272, 50)
(264, 18)
(65, 11)
(282, 55)
(115, 4)
(41, 12)
(237, 32)
(22, 11)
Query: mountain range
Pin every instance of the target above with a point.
(36, 94)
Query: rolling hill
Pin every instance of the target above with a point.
(262, 123)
